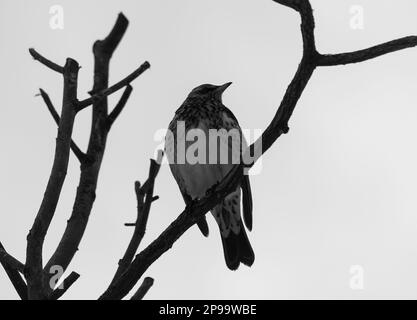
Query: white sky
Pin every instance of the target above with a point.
(337, 191)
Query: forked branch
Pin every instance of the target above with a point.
(101, 123)
(34, 268)
(38, 276)
(132, 268)
(145, 197)
(311, 59)
(97, 97)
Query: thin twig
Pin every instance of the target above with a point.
(13, 269)
(97, 97)
(10, 260)
(143, 289)
(327, 60)
(192, 213)
(63, 288)
(51, 65)
(74, 147)
(120, 106)
(144, 196)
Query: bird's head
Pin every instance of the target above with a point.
(209, 91)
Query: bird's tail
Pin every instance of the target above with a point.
(237, 249)
(236, 246)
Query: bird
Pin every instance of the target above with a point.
(201, 113)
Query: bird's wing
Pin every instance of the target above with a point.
(247, 202)
(202, 222)
(229, 122)
(176, 172)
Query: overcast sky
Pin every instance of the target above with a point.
(335, 198)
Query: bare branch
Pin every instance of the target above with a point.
(166, 239)
(131, 268)
(51, 65)
(74, 147)
(36, 237)
(143, 289)
(63, 288)
(12, 268)
(10, 260)
(278, 126)
(120, 106)
(367, 54)
(86, 191)
(110, 43)
(130, 224)
(144, 196)
(294, 4)
(119, 85)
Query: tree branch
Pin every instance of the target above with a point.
(51, 65)
(63, 288)
(164, 242)
(131, 268)
(120, 106)
(10, 260)
(143, 289)
(278, 126)
(12, 268)
(294, 4)
(114, 88)
(86, 191)
(74, 147)
(327, 60)
(110, 43)
(36, 236)
(144, 196)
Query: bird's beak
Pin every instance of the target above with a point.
(222, 88)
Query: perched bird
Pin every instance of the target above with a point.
(200, 114)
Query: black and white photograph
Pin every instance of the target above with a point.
(225, 152)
